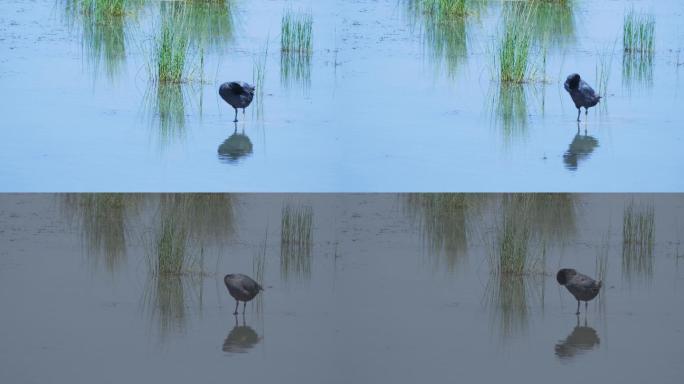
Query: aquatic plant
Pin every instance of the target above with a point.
(296, 48)
(258, 78)
(296, 240)
(513, 250)
(552, 21)
(259, 268)
(210, 23)
(171, 51)
(603, 69)
(296, 32)
(638, 42)
(102, 218)
(638, 32)
(513, 54)
(638, 229)
(443, 219)
(103, 25)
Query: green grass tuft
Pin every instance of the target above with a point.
(296, 32)
(296, 240)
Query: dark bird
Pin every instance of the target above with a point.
(238, 94)
(242, 288)
(581, 286)
(582, 94)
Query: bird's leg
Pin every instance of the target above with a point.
(236, 307)
(579, 110)
(577, 313)
(243, 111)
(586, 112)
(235, 121)
(244, 306)
(586, 305)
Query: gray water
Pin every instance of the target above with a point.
(388, 101)
(386, 288)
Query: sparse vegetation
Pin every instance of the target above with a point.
(638, 32)
(296, 240)
(638, 228)
(296, 33)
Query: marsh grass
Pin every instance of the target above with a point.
(638, 229)
(259, 269)
(258, 78)
(443, 221)
(443, 25)
(103, 219)
(552, 21)
(519, 247)
(638, 43)
(296, 48)
(210, 23)
(601, 266)
(186, 224)
(174, 55)
(296, 32)
(515, 51)
(296, 241)
(208, 217)
(103, 30)
(638, 32)
(604, 67)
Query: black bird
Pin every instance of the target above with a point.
(238, 94)
(242, 288)
(582, 94)
(581, 286)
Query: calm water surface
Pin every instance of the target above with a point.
(388, 101)
(384, 289)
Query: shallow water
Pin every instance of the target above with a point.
(390, 290)
(382, 104)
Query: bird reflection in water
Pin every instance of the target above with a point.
(241, 338)
(236, 146)
(581, 339)
(581, 148)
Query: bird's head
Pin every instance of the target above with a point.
(564, 275)
(572, 82)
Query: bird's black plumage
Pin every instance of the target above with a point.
(238, 94)
(242, 288)
(581, 93)
(582, 287)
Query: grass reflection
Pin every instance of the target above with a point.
(103, 220)
(444, 220)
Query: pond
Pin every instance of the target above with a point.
(357, 287)
(385, 96)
